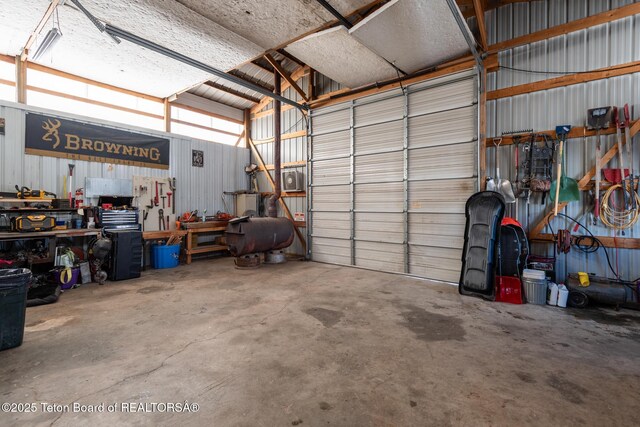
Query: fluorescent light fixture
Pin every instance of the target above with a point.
(48, 43)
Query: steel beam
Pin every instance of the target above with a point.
(132, 38)
(344, 21)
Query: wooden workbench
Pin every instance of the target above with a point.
(80, 232)
(194, 232)
(51, 236)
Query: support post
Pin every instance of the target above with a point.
(247, 127)
(21, 80)
(167, 115)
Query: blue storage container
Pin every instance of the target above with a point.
(163, 256)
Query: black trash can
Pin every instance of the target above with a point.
(14, 284)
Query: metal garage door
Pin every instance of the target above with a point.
(390, 175)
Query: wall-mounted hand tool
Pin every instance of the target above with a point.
(156, 201)
(598, 119)
(161, 220)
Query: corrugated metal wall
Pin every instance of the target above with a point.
(293, 150)
(198, 188)
(601, 46)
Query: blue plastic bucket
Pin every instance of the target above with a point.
(163, 256)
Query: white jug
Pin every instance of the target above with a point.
(563, 295)
(552, 293)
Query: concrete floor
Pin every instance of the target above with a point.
(315, 345)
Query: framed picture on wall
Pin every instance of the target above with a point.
(197, 158)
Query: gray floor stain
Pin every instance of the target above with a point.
(526, 377)
(432, 326)
(608, 317)
(325, 406)
(568, 389)
(151, 289)
(327, 317)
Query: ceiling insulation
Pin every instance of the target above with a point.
(85, 51)
(17, 20)
(176, 27)
(412, 34)
(343, 58)
(270, 23)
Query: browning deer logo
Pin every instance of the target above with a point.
(52, 131)
(64, 138)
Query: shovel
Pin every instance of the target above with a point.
(563, 189)
(502, 186)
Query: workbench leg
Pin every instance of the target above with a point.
(189, 247)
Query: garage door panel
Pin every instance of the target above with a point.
(332, 198)
(437, 230)
(440, 132)
(336, 171)
(437, 263)
(444, 196)
(382, 137)
(455, 95)
(444, 128)
(332, 251)
(380, 256)
(331, 145)
(387, 197)
(442, 162)
(379, 111)
(331, 122)
(379, 227)
(379, 167)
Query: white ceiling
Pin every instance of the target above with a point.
(343, 58)
(271, 23)
(17, 20)
(412, 34)
(219, 33)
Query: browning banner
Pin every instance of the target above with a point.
(56, 137)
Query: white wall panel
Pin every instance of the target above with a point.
(605, 45)
(198, 188)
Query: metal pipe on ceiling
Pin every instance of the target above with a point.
(464, 30)
(335, 13)
(123, 34)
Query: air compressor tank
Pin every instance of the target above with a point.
(253, 235)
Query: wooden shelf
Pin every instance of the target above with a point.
(82, 232)
(16, 200)
(206, 248)
(31, 210)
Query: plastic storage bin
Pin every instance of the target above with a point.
(163, 256)
(534, 283)
(14, 284)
